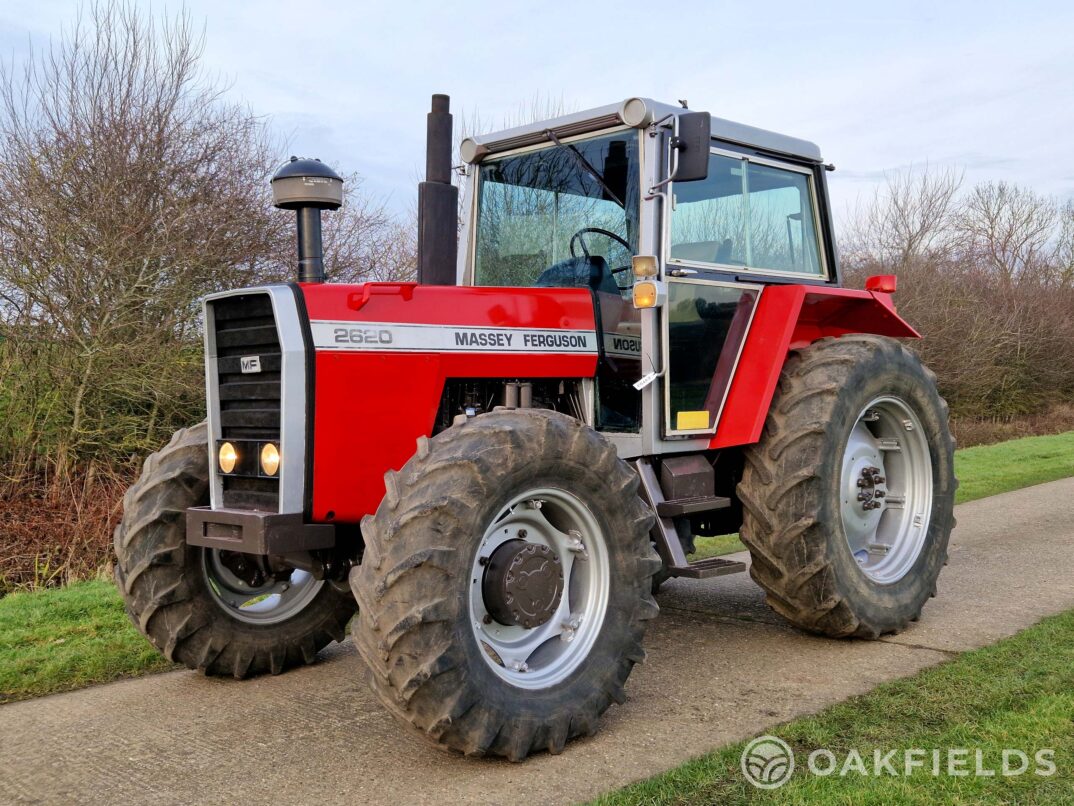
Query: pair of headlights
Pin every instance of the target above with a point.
(228, 458)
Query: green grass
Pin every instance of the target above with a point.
(1016, 694)
(982, 471)
(66, 638)
(992, 469)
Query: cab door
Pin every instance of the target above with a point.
(751, 221)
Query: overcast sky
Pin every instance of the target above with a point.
(986, 86)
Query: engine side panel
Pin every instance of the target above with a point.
(790, 317)
(385, 350)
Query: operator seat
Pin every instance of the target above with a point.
(580, 272)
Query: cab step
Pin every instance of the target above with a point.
(691, 506)
(710, 567)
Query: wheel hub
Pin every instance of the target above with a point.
(250, 569)
(886, 489)
(871, 490)
(523, 584)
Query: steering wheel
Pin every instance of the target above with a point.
(577, 237)
(594, 231)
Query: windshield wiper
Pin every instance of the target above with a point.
(584, 163)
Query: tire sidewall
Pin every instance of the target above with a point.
(901, 376)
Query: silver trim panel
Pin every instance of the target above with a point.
(293, 413)
(410, 337)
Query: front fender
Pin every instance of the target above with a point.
(789, 317)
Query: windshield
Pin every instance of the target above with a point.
(537, 212)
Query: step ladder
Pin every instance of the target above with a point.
(670, 547)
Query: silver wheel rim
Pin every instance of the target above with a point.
(270, 603)
(545, 655)
(886, 490)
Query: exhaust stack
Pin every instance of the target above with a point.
(307, 187)
(438, 201)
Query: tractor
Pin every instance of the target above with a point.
(632, 332)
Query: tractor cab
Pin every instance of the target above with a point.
(675, 221)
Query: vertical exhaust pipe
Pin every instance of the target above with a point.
(438, 202)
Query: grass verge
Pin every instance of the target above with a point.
(65, 638)
(982, 471)
(1017, 694)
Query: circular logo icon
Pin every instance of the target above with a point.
(767, 762)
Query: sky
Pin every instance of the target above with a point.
(985, 87)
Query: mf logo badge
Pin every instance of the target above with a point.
(250, 363)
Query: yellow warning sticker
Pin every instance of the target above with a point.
(692, 420)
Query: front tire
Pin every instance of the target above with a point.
(848, 497)
(187, 600)
(531, 493)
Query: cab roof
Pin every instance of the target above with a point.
(638, 113)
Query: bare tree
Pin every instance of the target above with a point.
(1063, 258)
(908, 218)
(128, 187)
(1010, 229)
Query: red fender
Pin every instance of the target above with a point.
(789, 317)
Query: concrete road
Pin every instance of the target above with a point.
(721, 667)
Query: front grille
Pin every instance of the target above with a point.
(249, 402)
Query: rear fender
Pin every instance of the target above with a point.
(787, 318)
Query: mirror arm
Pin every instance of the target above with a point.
(654, 191)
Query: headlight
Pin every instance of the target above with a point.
(270, 459)
(228, 457)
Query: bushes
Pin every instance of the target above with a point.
(988, 278)
(58, 529)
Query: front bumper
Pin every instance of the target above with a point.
(253, 532)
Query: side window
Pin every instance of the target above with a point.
(746, 214)
(709, 222)
(783, 234)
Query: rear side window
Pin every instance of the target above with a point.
(748, 215)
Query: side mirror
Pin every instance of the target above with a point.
(693, 134)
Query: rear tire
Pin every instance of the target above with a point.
(165, 583)
(843, 408)
(422, 627)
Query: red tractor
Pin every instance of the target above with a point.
(644, 338)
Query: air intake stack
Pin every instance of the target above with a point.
(307, 187)
(438, 201)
